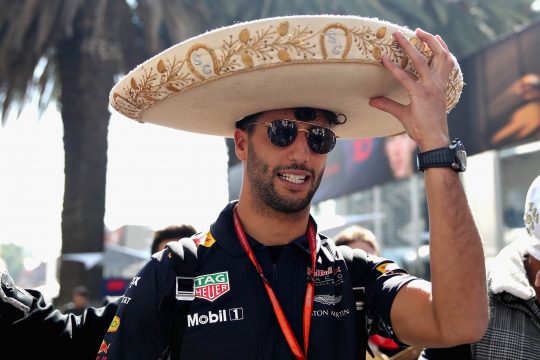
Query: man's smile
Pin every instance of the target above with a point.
(293, 178)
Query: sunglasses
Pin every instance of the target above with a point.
(283, 132)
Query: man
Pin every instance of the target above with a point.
(170, 233)
(399, 150)
(267, 286)
(358, 237)
(514, 289)
(25, 314)
(79, 301)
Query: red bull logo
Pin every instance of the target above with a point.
(320, 272)
(103, 348)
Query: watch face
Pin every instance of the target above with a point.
(461, 156)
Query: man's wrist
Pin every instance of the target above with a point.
(433, 144)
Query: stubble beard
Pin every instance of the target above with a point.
(266, 198)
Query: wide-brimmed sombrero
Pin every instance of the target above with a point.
(207, 83)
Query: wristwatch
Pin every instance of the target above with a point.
(453, 156)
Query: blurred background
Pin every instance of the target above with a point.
(81, 190)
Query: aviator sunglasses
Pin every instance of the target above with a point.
(283, 132)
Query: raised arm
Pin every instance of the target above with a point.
(453, 309)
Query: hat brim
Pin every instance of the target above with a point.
(207, 83)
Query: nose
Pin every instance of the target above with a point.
(299, 149)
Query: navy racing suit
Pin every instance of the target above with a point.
(232, 317)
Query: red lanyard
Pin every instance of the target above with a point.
(308, 302)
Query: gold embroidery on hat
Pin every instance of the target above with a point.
(283, 55)
(195, 61)
(283, 28)
(381, 32)
(327, 35)
(244, 36)
(265, 48)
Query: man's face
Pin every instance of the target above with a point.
(399, 150)
(79, 301)
(364, 246)
(283, 178)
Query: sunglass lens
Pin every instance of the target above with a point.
(282, 132)
(321, 140)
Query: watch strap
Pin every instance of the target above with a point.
(442, 157)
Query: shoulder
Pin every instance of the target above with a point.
(362, 265)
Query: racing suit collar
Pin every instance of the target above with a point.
(222, 231)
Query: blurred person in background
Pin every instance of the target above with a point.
(514, 289)
(80, 300)
(170, 233)
(358, 237)
(400, 152)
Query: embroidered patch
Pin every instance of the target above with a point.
(329, 276)
(387, 268)
(204, 239)
(212, 286)
(219, 316)
(115, 324)
(103, 348)
(327, 299)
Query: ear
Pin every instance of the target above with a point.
(241, 144)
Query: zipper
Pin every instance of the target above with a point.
(274, 271)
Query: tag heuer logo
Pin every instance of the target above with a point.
(212, 286)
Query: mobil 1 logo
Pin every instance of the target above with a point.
(213, 317)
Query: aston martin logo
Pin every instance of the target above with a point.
(327, 299)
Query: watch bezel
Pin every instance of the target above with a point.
(460, 155)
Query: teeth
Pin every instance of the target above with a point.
(295, 179)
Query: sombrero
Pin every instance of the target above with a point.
(207, 83)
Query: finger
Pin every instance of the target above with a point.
(442, 61)
(419, 61)
(434, 44)
(441, 41)
(388, 105)
(399, 74)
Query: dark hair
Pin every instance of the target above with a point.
(173, 232)
(302, 114)
(80, 290)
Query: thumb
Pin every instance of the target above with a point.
(388, 105)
